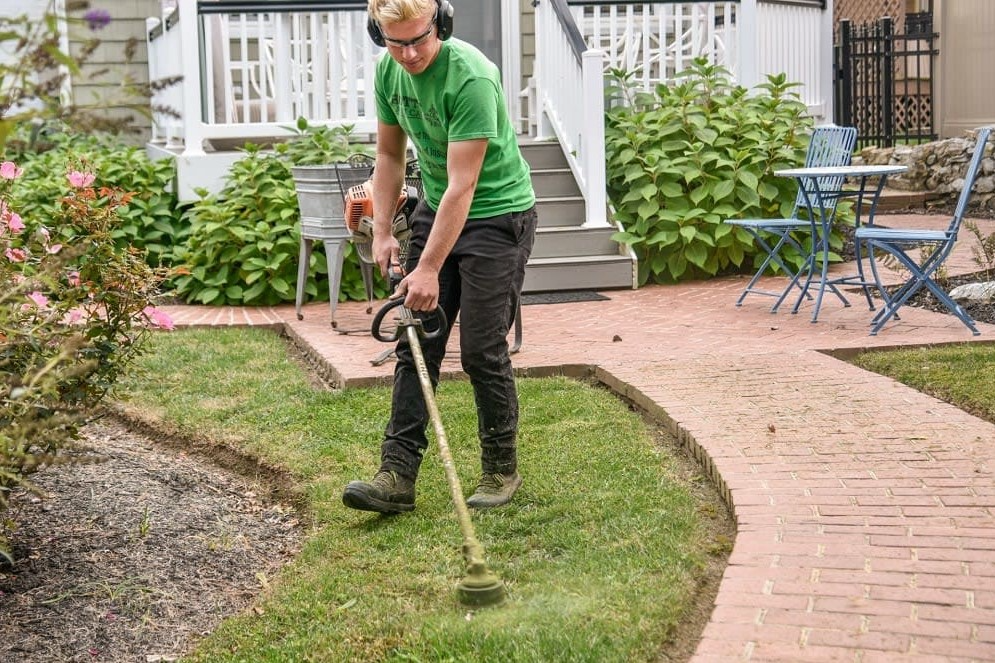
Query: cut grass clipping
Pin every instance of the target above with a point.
(601, 550)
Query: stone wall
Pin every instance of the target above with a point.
(938, 167)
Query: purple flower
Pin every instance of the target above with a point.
(97, 18)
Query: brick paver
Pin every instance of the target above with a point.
(864, 509)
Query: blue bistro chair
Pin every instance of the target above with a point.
(931, 247)
(829, 146)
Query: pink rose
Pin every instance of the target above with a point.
(15, 255)
(39, 299)
(158, 318)
(79, 179)
(15, 223)
(9, 170)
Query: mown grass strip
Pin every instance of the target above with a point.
(601, 551)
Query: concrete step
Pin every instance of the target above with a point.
(579, 273)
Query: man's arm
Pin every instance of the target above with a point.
(388, 177)
(463, 163)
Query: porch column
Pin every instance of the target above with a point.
(190, 48)
(747, 70)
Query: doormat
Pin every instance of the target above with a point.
(564, 297)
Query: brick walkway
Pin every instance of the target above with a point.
(864, 509)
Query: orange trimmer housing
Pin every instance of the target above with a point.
(359, 203)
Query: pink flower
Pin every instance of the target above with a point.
(15, 223)
(79, 179)
(74, 315)
(73, 278)
(39, 299)
(9, 170)
(55, 248)
(158, 318)
(15, 255)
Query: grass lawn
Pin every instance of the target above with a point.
(603, 550)
(963, 374)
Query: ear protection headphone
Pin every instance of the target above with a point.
(443, 24)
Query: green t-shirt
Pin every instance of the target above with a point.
(459, 97)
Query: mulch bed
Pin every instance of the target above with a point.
(134, 557)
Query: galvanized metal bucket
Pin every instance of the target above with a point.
(321, 202)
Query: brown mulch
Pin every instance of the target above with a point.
(134, 557)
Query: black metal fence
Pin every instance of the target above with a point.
(884, 81)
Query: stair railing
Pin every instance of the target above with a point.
(569, 82)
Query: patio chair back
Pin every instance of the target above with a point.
(972, 174)
(829, 146)
(907, 246)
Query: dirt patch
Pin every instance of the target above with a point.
(135, 557)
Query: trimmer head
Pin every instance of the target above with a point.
(480, 588)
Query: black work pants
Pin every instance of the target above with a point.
(481, 282)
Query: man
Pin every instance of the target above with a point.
(471, 237)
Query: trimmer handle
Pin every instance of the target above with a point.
(407, 320)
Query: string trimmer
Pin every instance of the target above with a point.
(480, 586)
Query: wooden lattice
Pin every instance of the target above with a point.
(914, 114)
(868, 11)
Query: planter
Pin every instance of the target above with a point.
(321, 203)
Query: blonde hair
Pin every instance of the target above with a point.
(395, 11)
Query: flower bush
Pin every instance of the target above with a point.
(74, 311)
(152, 220)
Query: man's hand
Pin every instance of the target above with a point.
(420, 289)
(387, 254)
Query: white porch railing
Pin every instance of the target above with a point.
(251, 68)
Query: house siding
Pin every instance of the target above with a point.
(965, 79)
(100, 78)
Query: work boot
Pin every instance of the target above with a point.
(494, 490)
(389, 492)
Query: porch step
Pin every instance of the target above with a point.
(560, 211)
(579, 273)
(554, 182)
(573, 241)
(542, 154)
(567, 256)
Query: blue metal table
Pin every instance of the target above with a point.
(869, 182)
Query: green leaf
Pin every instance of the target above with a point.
(208, 295)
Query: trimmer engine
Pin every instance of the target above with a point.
(359, 213)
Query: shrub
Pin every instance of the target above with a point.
(152, 221)
(244, 242)
(73, 314)
(682, 159)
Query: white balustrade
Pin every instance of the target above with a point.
(252, 75)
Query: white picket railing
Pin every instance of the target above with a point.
(249, 71)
